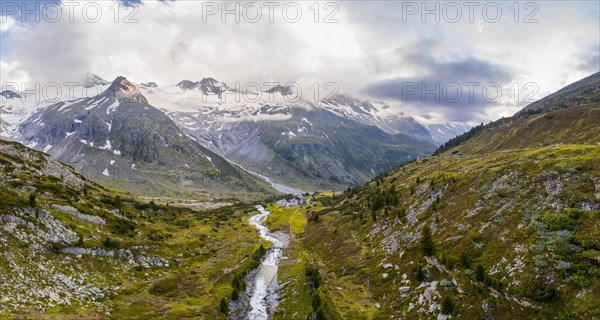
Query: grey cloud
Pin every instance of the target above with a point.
(455, 87)
(53, 52)
(589, 60)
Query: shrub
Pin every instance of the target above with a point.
(427, 246)
(559, 221)
(420, 276)
(235, 294)
(316, 302)
(569, 315)
(224, 306)
(479, 273)
(538, 290)
(313, 277)
(122, 227)
(320, 315)
(238, 284)
(581, 278)
(465, 261)
(32, 200)
(108, 243)
(447, 306)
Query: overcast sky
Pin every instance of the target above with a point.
(381, 50)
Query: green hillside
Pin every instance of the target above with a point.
(504, 226)
(71, 249)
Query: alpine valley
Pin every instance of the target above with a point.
(166, 202)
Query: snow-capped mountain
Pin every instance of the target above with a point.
(16, 108)
(7, 94)
(442, 132)
(332, 143)
(118, 138)
(280, 134)
(90, 80)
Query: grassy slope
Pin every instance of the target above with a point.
(505, 201)
(296, 290)
(291, 218)
(210, 245)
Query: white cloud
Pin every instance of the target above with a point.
(10, 24)
(13, 73)
(170, 42)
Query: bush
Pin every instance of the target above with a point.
(122, 227)
(427, 246)
(447, 306)
(420, 276)
(559, 221)
(569, 315)
(235, 294)
(581, 278)
(238, 284)
(539, 291)
(32, 200)
(109, 244)
(465, 261)
(313, 277)
(224, 306)
(316, 302)
(479, 273)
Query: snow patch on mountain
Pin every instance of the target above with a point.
(112, 107)
(442, 132)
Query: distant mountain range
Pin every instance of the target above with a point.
(118, 139)
(331, 144)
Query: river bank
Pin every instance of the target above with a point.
(262, 293)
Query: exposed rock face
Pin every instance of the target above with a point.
(83, 217)
(149, 84)
(315, 148)
(282, 90)
(7, 94)
(206, 86)
(43, 260)
(123, 90)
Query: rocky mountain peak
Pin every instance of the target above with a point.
(283, 90)
(206, 85)
(123, 90)
(90, 80)
(149, 84)
(187, 85)
(211, 86)
(10, 94)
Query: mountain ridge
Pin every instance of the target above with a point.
(584, 91)
(120, 139)
(507, 220)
